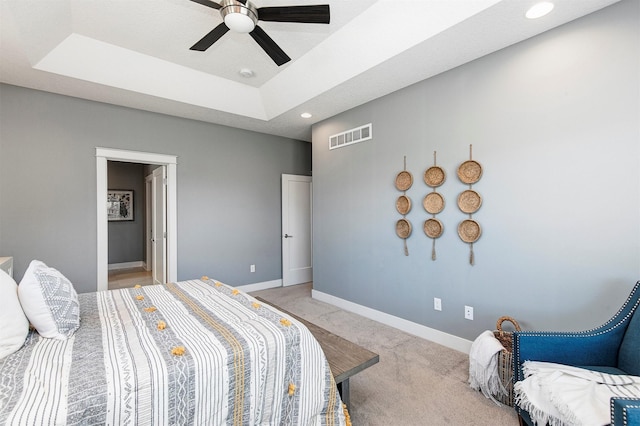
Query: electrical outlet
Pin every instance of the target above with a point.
(437, 304)
(252, 268)
(468, 312)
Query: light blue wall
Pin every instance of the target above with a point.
(228, 186)
(555, 123)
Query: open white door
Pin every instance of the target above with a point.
(158, 226)
(297, 260)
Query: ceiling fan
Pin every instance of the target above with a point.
(242, 16)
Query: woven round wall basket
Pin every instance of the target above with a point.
(469, 231)
(404, 180)
(469, 172)
(469, 201)
(434, 176)
(403, 228)
(433, 228)
(433, 203)
(403, 204)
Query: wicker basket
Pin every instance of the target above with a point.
(469, 231)
(404, 180)
(505, 359)
(434, 176)
(469, 172)
(469, 201)
(403, 204)
(433, 203)
(403, 228)
(433, 228)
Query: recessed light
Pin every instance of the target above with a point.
(246, 73)
(538, 10)
(305, 115)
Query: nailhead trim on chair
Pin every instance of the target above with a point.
(625, 422)
(625, 409)
(611, 410)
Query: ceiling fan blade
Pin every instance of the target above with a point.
(208, 3)
(317, 14)
(269, 46)
(213, 36)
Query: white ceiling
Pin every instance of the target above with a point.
(135, 53)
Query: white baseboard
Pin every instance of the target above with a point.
(437, 336)
(126, 265)
(260, 286)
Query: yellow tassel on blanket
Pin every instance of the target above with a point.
(292, 389)
(285, 322)
(140, 297)
(347, 417)
(204, 278)
(150, 309)
(137, 286)
(256, 305)
(162, 325)
(178, 351)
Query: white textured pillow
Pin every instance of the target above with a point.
(49, 301)
(14, 325)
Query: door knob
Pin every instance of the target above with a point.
(288, 236)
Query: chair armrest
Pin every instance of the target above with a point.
(625, 411)
(597, 347)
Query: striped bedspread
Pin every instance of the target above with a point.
(189, 353)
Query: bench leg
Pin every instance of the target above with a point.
(343, 388)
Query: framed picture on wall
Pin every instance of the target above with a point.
(119, 204)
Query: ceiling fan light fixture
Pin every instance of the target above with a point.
(241, 18)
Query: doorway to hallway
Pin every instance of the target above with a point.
(168, 163)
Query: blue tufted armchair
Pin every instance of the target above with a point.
(612, 348)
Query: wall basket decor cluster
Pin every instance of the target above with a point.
(469, 201)
(433, 203)
(404, 180)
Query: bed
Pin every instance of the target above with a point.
(195, 352)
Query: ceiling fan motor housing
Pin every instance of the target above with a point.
(241, 18)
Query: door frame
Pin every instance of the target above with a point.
(170, 161)
(160, 235)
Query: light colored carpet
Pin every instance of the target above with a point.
(416, 382)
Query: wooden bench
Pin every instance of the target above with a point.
(345, 358)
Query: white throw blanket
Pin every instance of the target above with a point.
(483, 366)
(563, 395)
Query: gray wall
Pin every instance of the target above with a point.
(228, 186)
(127, 238)
(554, 121)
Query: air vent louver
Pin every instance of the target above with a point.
(349, 137)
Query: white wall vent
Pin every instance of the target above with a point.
(359, 134)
